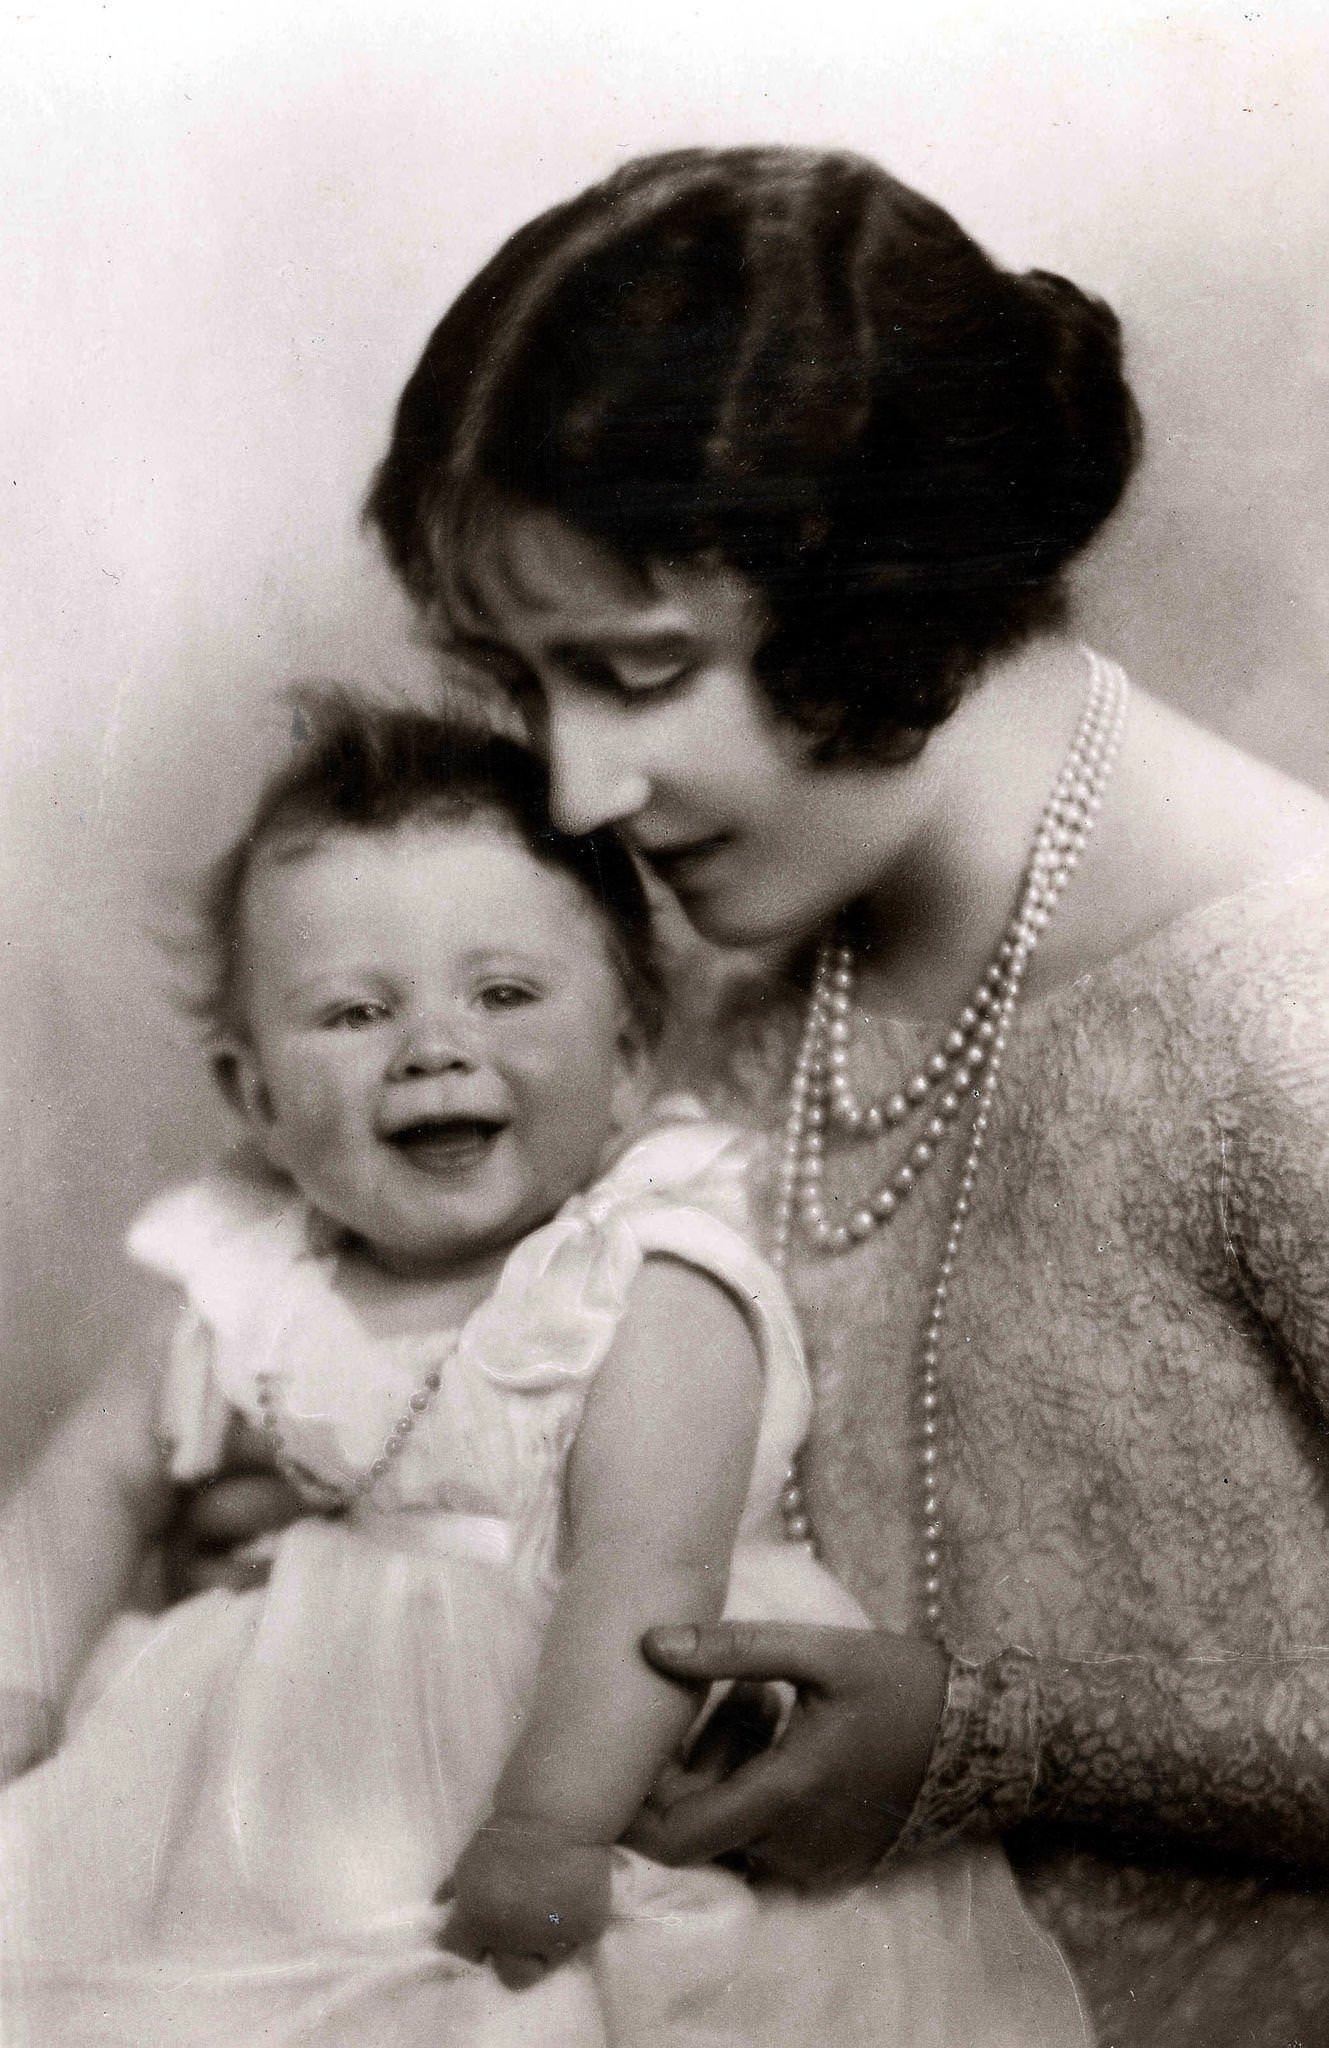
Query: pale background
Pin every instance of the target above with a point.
(228, 231)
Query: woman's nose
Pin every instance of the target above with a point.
(435, 1045)
(595, 777)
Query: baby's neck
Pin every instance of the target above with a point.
(398, 1305)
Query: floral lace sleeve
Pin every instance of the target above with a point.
(1230, 1756)
(1220, 1753)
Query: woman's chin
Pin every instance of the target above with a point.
(725, 926)
(748, 927)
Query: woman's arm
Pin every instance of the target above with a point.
(72, 1536)
(1224, 1753)
(656, 1484)
(1227, 1754)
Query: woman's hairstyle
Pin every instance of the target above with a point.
(367, 766)
(787, 360)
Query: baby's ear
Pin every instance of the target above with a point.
(236, 1072)
(634, 1083)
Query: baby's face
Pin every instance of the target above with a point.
(437, 1037)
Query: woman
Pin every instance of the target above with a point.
(758, 479)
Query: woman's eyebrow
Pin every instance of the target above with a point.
(626, 640)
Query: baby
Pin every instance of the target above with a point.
(506, 1332)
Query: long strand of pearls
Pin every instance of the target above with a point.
(965, 1065)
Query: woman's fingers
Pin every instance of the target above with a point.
(713, 1822)
(205, 1546)
(813, 1811)
(741, 1726)
(805, 1655)
(237, 1508)
(826, 1802)
(247, 1449)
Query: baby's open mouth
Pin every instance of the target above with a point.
(447, 1144)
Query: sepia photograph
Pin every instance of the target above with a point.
(665, 1025)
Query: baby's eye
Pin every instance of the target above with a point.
(507, 995)
(355, 1016)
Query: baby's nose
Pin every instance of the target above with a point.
(436, 1045)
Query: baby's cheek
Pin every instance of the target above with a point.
(313, 1121)
(585, 1149)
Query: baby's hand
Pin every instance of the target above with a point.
(526, 1895)
(28, 1725)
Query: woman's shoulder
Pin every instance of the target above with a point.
(1275, 927)
(1225, 1004)
(1206, 889)
(1258, 958)
(1259, 964)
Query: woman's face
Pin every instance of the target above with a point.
(653, 722)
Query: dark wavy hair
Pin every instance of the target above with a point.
(791, 361)
(362, 765)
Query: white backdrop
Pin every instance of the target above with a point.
(228, 229)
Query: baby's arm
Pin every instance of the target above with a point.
(72, 1535)
(656, 1484)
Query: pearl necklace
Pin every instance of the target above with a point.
(965, 1065)
(318, 1492)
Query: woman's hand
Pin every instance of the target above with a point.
(822, 1805)
(209, 1541)
(526, 1896)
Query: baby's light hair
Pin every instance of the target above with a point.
(362, 765)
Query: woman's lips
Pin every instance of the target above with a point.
(447, 1146)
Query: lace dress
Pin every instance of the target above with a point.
(1135, 1474)
(243, 1835)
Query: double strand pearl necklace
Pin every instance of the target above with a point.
(963, 1069)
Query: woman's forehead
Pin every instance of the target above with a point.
(526, 561)
(527, 572)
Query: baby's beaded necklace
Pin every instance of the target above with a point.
(323, 1493)
(967, 1061)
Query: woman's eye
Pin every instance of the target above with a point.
(507, 995)
(628, 675)
(355, 1016)
(645, 681)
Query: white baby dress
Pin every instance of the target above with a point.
(240, 1841)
